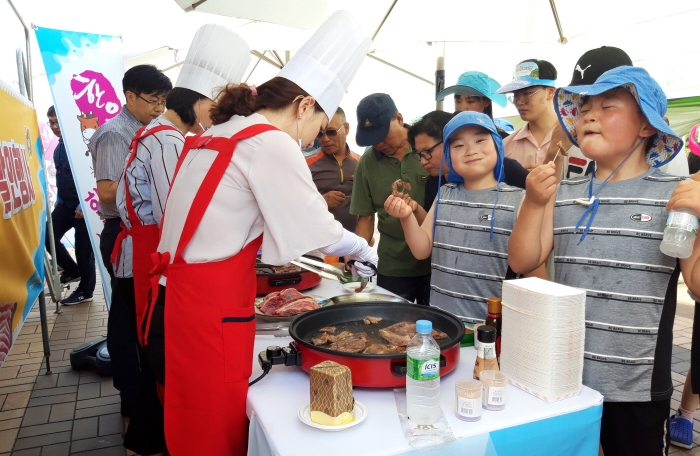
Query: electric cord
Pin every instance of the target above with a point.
(266, 366)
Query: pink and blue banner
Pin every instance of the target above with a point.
(85, 72)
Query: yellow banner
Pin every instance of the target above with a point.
(23, 221)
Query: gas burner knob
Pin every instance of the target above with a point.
(273, 351)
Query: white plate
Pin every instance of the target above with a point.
(352, 286)
(359, 412)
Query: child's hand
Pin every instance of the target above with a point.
(686, 196)
(407, 199)
(541, 184)
(395, 206)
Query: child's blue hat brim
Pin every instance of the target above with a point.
(465, 119)
(665, 144)
(476, 84)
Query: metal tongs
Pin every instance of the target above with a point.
(331, 272)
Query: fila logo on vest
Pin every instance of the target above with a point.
(485, 217)
(640, 218)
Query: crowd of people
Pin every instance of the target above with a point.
(590, 155)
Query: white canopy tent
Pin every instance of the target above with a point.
(487, 36)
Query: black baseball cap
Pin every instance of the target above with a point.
(595, 62)
(374, 115)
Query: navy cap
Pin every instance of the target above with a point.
(374, 115)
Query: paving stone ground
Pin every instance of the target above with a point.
(77, 413)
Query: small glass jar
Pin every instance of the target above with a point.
(494, 394)
(468, 394)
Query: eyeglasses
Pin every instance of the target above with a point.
(427, 154)
(153, 103)
(518, 99)
(329, 132)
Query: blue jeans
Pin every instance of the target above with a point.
(63, 220)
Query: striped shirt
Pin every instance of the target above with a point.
(467, 267)
(148, 178)
(630, 285)
(109, 147)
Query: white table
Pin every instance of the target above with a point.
(527, 426)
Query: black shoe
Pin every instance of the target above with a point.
(76, 298)
(65, 278)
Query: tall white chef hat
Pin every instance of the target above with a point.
(217, 56)
(326, 64)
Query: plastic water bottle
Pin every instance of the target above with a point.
(423, 376)
(680, 233)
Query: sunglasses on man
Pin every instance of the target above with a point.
(331, 133)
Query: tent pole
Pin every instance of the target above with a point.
(400, 69)
(277, 56)
(562, 39)
(384, 19)
(267, 59)
(251, 71)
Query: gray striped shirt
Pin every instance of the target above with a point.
(467, 267)
(148, 177)
(109, 147)
(630, 285)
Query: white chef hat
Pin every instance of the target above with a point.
(326, 64)
(217, 56)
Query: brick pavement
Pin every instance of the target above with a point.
(77, 413)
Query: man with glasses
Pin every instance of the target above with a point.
(145, 88)
(390, 159)
(333, 169)
(532, 89)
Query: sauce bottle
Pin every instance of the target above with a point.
(495, 319)
(486, 354)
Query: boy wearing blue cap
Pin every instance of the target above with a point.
(604, 230)
(468, 226)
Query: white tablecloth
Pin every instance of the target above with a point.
(273, 404)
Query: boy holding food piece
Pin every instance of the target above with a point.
(468, 226)
(604, 230)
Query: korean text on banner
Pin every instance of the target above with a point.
(85, 73)
(23, 221)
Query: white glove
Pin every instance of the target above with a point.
(353, 247)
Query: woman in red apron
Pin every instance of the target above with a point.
(142, 193)
(241, 186)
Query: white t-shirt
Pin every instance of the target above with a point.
(267, 189)
(577, 165)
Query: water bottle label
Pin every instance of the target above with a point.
(423, 369)
(683, 221)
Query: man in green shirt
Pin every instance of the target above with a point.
(380, 125)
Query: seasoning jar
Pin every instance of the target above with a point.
(494, 318)
(493, 396)
(486, 353)
(468, 395)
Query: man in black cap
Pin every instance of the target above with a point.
(384, 167)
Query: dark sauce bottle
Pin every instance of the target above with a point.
(495, 319)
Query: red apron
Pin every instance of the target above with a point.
(209, 330)
(144, 239)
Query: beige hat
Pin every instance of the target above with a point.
(217, 56)
(326, 64)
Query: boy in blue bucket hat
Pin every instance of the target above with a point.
(468, 226)
(604, 230)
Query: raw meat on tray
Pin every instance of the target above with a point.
(286, 303)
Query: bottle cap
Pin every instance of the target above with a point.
(495, 306)
(486, 334)
(425, 327)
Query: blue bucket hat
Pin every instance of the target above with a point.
(475, 84)
(664, 145)
(527, 74)
(465, 119)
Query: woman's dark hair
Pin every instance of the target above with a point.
(182, 101)
(146, 79)
(547, 70)
(51, 112)
(430, 124)
(238, 99)
(693, 163)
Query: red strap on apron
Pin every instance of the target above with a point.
(131, 213)
(226, 148)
